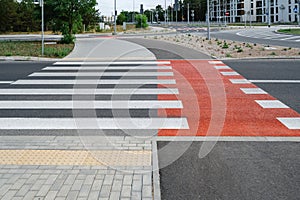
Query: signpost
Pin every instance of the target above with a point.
(296, 10)
(41, 3)
(208, 22)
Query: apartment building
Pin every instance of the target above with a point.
(254, 10)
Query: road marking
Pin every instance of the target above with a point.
(92, 123)
(227, 139)
(94, 82)
(253, 91)
(239, 81)
(110, 68)
(90, 104)
(291, 123)
(114, 91)
(290, 38)
(100, 74)
(6, 82)
(271, 104)
(230, 73)
(275, 81)
(116, 63)
(222, 67)
(215, 62)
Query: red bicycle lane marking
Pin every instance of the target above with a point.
(242, 116)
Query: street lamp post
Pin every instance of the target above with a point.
(115, 18)
(269, 13)
(41, 3)
(43, 34)
(133, 14)
(188, 13)
(165, 12)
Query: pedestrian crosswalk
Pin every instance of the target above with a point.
(38, 102)
(269, 34)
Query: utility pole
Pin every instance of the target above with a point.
(208, 22)
(188, 13)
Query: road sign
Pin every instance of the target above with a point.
(295, 10)
(227, 13)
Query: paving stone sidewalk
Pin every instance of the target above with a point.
(29, 180)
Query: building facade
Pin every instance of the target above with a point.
(281, 11)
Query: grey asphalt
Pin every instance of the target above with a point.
(268, 69)
(14, 70)
(231, 35)
(234, 170)
(163, 50)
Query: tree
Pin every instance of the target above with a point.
(122, 17)
(8, 14)
(160, 11)
(28, 18)
(141, 21)
(89, 14)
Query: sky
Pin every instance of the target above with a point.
(106, 7)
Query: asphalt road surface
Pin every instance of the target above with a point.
(235, 170)
(272, 70)
(259, 36)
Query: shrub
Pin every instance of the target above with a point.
(225, 46)
(68, 39)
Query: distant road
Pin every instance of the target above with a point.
(261, 36)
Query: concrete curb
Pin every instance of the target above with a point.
(27, 58)
(262, 58)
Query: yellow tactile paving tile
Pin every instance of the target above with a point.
(65, 157)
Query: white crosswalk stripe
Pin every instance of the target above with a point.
(93, 82)
(41, 91)
(89, 104)
(100, 74)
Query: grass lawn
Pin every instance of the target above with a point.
(34, 49)
(290, 31)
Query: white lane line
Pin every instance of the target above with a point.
(229, 139)
(92, 123)
(134, 91)
(222, 67)
(291, 38)
(115, 63)
(215, 62)
(6, 82)
(89, 104)
(253, 91)
(94, 82)
(239, 81)
(290, 122)
(271, 104)
(100, 74)
(110, 68)
(275, 81)
(230, 73)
